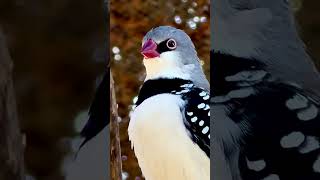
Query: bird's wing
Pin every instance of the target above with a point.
(98, 112)
(197, 116)
(280, 127)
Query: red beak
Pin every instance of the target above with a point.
(149, 49)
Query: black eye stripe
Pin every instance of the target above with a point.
(162, 47)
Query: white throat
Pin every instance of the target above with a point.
(168, 65)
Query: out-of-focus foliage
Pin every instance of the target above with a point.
(130, 21)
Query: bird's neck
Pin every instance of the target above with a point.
(159, 86)
(229, 72)
(165, 68)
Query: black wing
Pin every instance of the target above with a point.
(281, 126)
(98, 113)
(197, 115)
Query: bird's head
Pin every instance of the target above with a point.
(169, 53)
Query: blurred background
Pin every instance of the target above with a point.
(59, 52)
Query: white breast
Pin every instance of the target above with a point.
(161, 144)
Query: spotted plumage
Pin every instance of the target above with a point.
(196, 108)
(275, 125)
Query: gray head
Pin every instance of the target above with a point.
(266, 31)
(169, 53)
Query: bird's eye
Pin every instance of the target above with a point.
(171, 44)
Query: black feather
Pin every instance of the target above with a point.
(193, 100)
(264, 118)
(98, 112)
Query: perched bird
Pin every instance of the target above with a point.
(170, 126)
(265, 94)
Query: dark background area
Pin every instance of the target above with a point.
(59, 51)
(308, 21)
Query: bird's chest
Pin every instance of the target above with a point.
(156, 119)
(160, 140)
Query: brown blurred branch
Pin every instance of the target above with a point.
(115, 149)
(11, 147)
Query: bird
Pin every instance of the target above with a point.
(265, 94)
(98, 112)
(169, 127)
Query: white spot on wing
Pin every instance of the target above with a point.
(194, 119)
(297, 102)
(186, 85)
(205, 130)
(189, 113)
(256, 165)
(247, 76)
(202, 105)
(272, 177)
(293, 139)
(311, 143)
(203, 93)
(241, 93)
(201, 123)
(308, 114)
(316, 165)
(206, 97)
(185, 91)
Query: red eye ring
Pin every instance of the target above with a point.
(171, 44)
